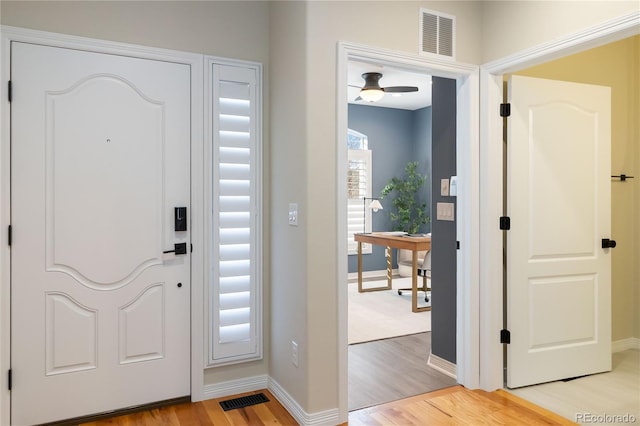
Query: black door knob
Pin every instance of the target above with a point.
(607, 243)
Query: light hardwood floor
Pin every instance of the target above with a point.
(457, 406)
(206, 413)
(452, 406)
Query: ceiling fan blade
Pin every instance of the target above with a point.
(399, 89)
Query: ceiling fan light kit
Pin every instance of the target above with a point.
(371, 95)
(372, 92)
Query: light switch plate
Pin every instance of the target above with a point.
(293, 214)
(445, 211)
(444, 187)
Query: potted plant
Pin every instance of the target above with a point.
(407, 214)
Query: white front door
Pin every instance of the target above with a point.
(558, 196)
(99, 159)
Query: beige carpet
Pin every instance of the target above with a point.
(383, 314)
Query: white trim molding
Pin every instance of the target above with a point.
(625, 344)
(598, 35)
(235, 387)
(467, 304)
(442, 365)
(327, 417)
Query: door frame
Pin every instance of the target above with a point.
(467, 228)
(196, 64)
(491, 174)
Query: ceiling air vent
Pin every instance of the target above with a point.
(437, 34)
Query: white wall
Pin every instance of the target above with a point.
(288, 156)
(229, 29)
(511, 26)
(309, 147)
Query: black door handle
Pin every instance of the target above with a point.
(607, 243)
(179, 248)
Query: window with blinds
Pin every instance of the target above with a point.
(235, 321)
(358, 187)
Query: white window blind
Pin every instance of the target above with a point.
(358, 187)
(235, 325)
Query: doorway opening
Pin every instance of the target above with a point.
(390, 161)
(464, 364)
(588, 69)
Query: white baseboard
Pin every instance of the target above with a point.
(250, 384)
(442, 365)
(624, 344)
(234, 387)
(328, 417)
(382, 274)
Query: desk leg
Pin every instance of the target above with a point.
(360, 290)
(389, 256)
(414, 284)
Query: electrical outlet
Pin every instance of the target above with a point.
(294, 353)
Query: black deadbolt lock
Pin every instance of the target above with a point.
(180, 218)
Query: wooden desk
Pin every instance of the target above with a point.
(415, 244)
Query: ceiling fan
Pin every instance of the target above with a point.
(371, 91)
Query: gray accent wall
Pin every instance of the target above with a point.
(395, 137)
(443, 233)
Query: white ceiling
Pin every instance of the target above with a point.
(390, 77)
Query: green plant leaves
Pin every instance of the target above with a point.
(407, 214)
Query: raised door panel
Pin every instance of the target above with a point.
(71, 334)
(142, 326)
(111, 135)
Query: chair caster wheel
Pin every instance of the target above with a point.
(399, 292)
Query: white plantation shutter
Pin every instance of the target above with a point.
(235, 296)
(358, 187)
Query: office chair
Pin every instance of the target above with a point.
(424, 271)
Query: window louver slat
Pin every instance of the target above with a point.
(235, 293)
(235, 284)
(358, 187)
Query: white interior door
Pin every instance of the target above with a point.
(558, 198)
(100, 158)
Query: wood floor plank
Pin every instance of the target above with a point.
(392, 369)
(457, 406)
(451, 406)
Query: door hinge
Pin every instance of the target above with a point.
(9, 236)
(9, 383)
(191, 248)
(457, 245)
(505, 336)
(505, 110)
(505, 223)
(10, 91)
